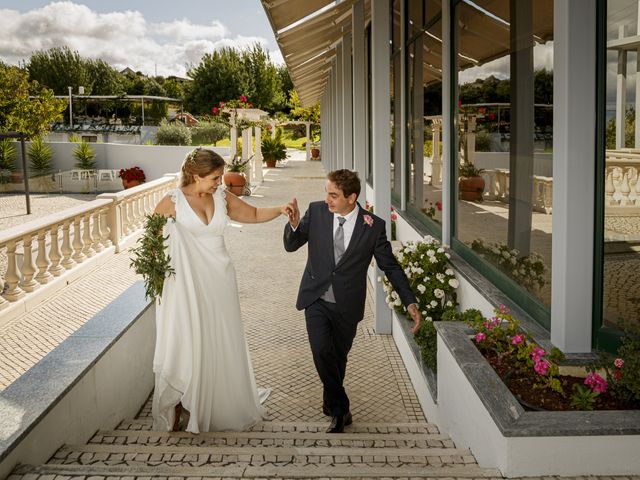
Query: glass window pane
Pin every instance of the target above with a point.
(505, 112)
(621, 282)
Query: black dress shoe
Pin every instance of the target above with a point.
(338, 422)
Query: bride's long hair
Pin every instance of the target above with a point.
(200, 161)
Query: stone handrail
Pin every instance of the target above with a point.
(497, 188)
(63, 240)
(622, 185)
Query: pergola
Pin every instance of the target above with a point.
(134, 98)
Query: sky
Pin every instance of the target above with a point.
(163, 37)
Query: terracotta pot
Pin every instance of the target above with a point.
(315, 153)
(130, 183)
(471, 188)
(270, 163)
(235, 182)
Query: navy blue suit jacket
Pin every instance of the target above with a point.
(349, 276)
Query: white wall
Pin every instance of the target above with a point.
(155, 160)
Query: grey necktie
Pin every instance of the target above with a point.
(338, 251)
(338, 240)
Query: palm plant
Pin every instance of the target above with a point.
(40, 154)
(85, 156)
(273, 149)
(7, 156)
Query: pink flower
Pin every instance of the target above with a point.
(215, 110)
(541, 367)
(394, 216)
(480, 337)
(517, 339)
(367, 205)
(221, 104)
(243, 99)
(596, 382)
(537, 354)
(368, 220)
(503, 309)
(488, 325)
(618, 362)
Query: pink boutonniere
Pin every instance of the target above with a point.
(368, 220)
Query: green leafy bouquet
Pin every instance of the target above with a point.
(150, 259)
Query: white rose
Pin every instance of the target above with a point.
(429, 319)
(397, 303)
(449, 304)
(449, 272)
(433, 259)
(441, 250)
(431, 253)
(513, 261)
(424, 312)
(495, 250)
(438, 293)
(434, 303)
(454, 283)
(440, 277)
(422, 288)
(447, 255)
(505, 254)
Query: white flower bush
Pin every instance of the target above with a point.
(529, 271)
(426, 264)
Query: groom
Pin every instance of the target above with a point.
(343, 237)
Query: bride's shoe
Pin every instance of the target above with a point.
(178, 415)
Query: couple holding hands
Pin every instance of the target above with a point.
(201, 362)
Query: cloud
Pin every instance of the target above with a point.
(122, 39)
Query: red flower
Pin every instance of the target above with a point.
(215, 110)
(492, 116)
(133, 173)
(243, 99)
(221, 104)
(439, 206)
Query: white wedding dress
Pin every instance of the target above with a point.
(201, 357)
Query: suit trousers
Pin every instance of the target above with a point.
(330, 336)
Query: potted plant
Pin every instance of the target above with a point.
(234, 177)
(85, 156)
(131, 177)
(40, 155)
(273, 149)
(470, 183)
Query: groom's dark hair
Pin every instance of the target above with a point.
(345, 180)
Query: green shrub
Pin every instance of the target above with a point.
(40, 154)
(273, 148)
(209, 133)
(85, 156)
(483, 142)
(7, 155)
(173, 134)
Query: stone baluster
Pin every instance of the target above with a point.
(126, 217)
(3, 303)
(625, 189)
(12, 277)
(491, 192)
(54, 255)
(609, 188)
(28, 283)
(105, 230)
(634, 184)
(96, 235)
(86, 236)
(42, 261)
(78, 255)
(67, 251)
(548, 196)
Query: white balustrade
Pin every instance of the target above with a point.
(497, 188)
(622, 185)
(58, 243)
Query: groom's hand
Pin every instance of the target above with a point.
(415, 315)
(294, 216)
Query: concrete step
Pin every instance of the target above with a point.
(274, 439)
(46, 472)
(199, 456)
(145, 424)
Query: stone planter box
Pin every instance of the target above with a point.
(478, 412)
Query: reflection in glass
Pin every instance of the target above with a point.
(621, 282)
(505, 112)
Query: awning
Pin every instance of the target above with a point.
(308, 31)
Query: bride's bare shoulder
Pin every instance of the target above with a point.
(166, 206)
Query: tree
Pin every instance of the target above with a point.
(309, 114)
(217, 78)
(59, 68)
(18, 112)
(40, 154)
(173, 87)
(262, 86)
(104, 79)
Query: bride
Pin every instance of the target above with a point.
(201, 361)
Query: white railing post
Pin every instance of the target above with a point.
(54, 256)
(42, 261)
(28, 284)
(12, 277)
